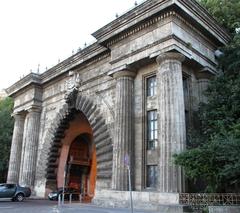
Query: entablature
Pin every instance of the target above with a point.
(152, 11)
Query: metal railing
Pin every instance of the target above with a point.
(61, 197)
(201, 200)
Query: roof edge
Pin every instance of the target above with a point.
(150, 8)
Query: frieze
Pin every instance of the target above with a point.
(140, 27)
(143, 16)
(153, 21)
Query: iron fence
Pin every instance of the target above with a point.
(201, 200)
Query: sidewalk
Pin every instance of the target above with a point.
(82, 207)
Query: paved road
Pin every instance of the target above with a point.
(45, 206)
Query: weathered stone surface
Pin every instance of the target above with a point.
(172, 128)
(30, 140)
(16, 149)
(160, 202)
(124, 133)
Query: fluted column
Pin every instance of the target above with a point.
(203, 78)
(124, 132)
(16, 148)
(172, 130)
(30, 146)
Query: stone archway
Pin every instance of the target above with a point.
(49, 158)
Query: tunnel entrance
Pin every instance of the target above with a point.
(77, 164)
(81, 172)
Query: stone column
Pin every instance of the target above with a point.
(30, 142)
(203, 78)
(16, 148)
(124, 131)
(172, 129)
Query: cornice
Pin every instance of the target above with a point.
(153, 11)
(129, 19)
(93, 53)
(200, 16)
(140, 27)
(32, 78)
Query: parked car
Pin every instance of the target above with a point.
(14, 191)
(67, 191)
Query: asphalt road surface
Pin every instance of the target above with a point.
(45, 206)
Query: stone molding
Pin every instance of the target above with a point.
(126, 24)
(36, 109)
(140, 27)
(170, 56)
(124, 73)
(169, 14)
(18, 115)
(205, 73)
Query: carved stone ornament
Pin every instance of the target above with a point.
(73, 83)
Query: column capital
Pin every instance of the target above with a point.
(34, 109)
(204, 73)
(124, 70)
(170, 56)
(124, 73)
(17, 115)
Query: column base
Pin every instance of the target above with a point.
(155, 201)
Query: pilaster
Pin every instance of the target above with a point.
(203, 78)
(172, 130)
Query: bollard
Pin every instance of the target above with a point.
(70, 199)
(62, 198)
(80, 198)
(59, 200)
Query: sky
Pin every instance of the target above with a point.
(36, 34)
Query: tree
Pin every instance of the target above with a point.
(216, 159)
(226, 12)
(214, 151)
(6, 130)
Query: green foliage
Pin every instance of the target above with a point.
(226, 12)
(6, 129)
(217, 162)
(230, 63)
(214, 148)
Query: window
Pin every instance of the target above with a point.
(152, 176)
(151, 86)
(152, 130)
(10, 186)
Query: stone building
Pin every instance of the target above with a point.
(124, 101)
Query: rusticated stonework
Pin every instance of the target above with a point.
(131, 95)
